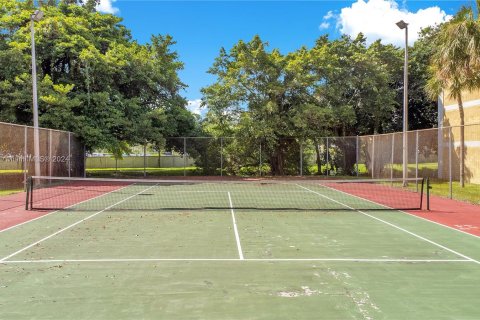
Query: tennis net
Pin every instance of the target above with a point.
(95, 194)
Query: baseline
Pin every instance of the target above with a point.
(253, 259)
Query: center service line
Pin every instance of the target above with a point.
(237, 237)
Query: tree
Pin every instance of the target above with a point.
(455, 64)
(269, 86)
(93, 78)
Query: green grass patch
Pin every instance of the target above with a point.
(11, 171)
(9, 192)
(103, 172)
(469, 193)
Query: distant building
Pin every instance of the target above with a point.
(448, 116)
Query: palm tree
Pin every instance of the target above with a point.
(455, 64)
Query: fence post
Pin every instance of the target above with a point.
(221, 156)
(416, 159)
(260, 158)
(25, 166)
(50, 152)
(373, 156)
(69, 155)
(327, 162)
(450, 162)
(144, 159)
(301, 158)
(84, 161)
(393, 154)
(184, 156)
(357, 153)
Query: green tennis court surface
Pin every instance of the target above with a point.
(235, 251)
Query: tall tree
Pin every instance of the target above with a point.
(269, 86)
(455, 64)
(93, 78)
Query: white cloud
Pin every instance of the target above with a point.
(195, 107)
(376, 20)
(324, 25)
(329, 15)
(106, 6)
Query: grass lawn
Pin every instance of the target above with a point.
(10, 171)
(102, 172)
(470, 193)
(8, 192)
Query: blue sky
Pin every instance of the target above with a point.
(201, 28)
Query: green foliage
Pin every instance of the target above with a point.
(340, 87)
(92, 78)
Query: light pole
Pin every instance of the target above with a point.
(403, 25)
(36, 16)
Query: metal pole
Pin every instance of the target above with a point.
(36, 138)
(184, 157)
(221, 156)
(69, 155)
(393, 154)
(25, 164)
(373, 157)
(405, 111)
(357, 151)
(450, 162)
(301, 158)
(50, 152)
(145, 160)
(260, 158)
(84, 161)
(416, 159)
(327, 163)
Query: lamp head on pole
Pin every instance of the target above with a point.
(37, 15)
(402, 24)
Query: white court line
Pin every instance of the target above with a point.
(393, 225)
(45, 215)
(237, 237)
(404, 212)
(236, 259)
(72, 225)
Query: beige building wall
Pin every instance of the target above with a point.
(449, 116)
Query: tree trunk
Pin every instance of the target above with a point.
(318, 157)
(276, 161)
(462, 141)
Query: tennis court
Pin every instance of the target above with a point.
(234, 250)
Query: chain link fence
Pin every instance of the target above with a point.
(60, 154)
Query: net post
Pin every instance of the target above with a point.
(28, 191)
(421, 194)
(428, 193)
